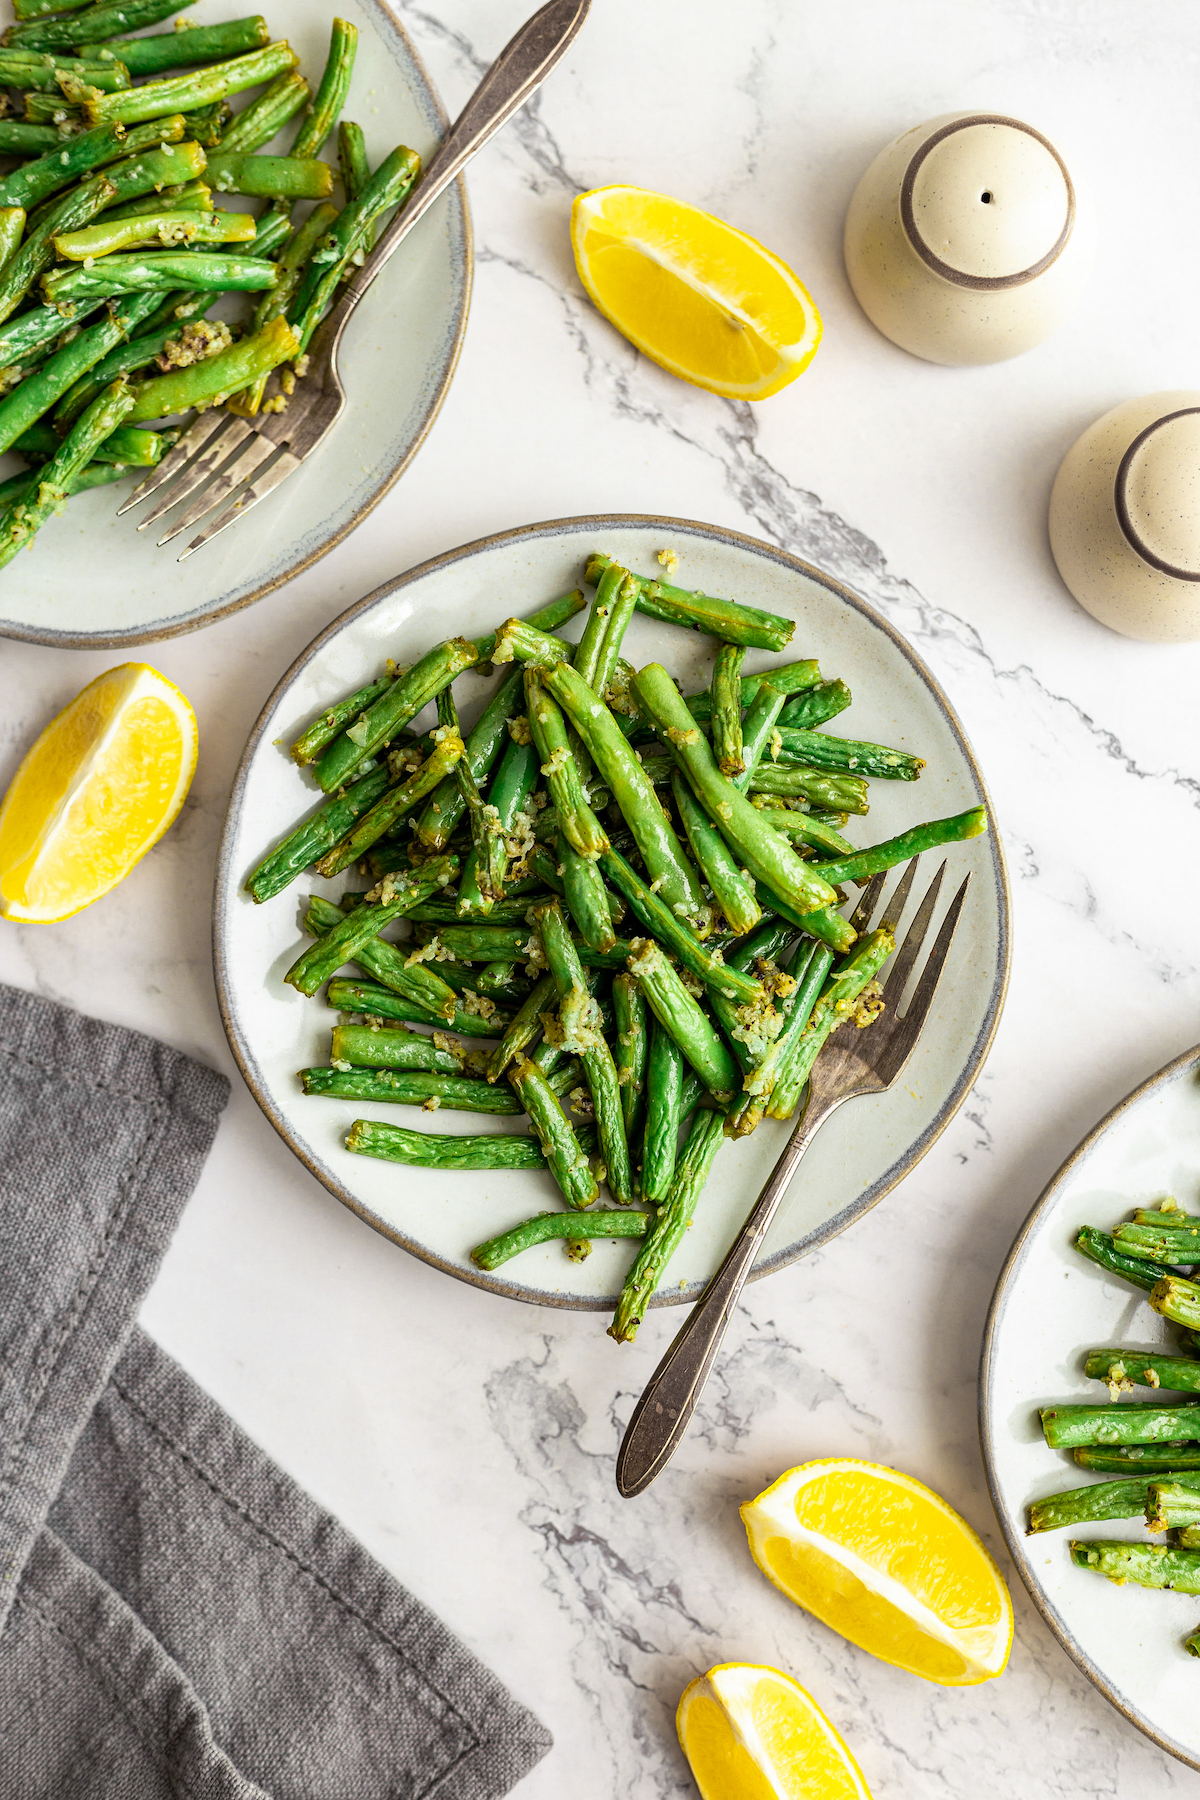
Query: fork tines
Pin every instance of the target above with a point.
(228, 460)
(900, 967)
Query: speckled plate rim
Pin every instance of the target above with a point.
(1014, 1535)
(595, 525)
(208, 614)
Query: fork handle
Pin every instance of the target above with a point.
(662, 1415)
(513, 78)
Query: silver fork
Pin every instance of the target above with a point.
(240, 461)
(852, 1063)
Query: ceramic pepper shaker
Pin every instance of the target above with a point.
(962, 241)
(1125, 518)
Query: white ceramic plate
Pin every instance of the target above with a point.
(860, 1153)
(1052, 1306)
(92, 581)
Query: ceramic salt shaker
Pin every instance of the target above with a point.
(962, 242)
(1125, 518)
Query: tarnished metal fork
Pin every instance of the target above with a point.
(852, 1063)
(235, 462)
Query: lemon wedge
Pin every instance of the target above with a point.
(704, 300)
(883, 1560)
(99, 787)
(752, 1733)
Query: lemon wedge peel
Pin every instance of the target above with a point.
(49, 795)
(785, 357)
(733, 1688)
(772, 1515)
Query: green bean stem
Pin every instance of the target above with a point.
(671, 1222)
(564, 1154)
(725, 619)
(678, 1013)
(1065, 1427)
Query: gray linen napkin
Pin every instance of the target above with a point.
(176, 1617)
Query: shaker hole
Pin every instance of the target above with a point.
(986, 197)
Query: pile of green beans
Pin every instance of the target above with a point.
(653, 953)
(116, 235)
(1150, 1450)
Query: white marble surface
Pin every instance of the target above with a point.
(468, 1441)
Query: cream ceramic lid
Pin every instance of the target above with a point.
(1157, 494)
(987, 202)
